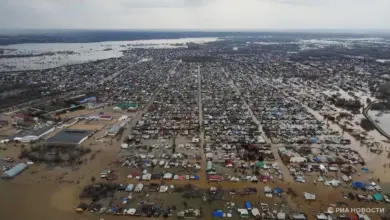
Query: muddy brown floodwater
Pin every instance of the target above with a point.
(56, 201)
(35, 194)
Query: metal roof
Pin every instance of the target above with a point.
(15, 170)
(69, 136)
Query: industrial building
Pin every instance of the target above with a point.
(11, 173)
(69, 136)
(34, 135)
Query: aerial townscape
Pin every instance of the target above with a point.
(207, 126)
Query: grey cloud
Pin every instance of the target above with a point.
(165, 3)
(296, 2)
(195, 14)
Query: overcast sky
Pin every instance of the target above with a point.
(195, 14)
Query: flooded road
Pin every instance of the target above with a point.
(375, 162)
(30, 196)
(201, 131)
(274, 147)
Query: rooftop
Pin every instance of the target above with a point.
(69, 136)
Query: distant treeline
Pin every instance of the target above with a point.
(369, 54)
(200, 59)
(36, 55)
(351, 105)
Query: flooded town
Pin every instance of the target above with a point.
(260, 127)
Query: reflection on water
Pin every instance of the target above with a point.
(82, 52)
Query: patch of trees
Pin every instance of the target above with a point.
(380, 106)
(21, 97)
(351, 105)
(366, 124)
(71, 109)
(99, 190)
(384, 90)
(199, 59)
(384, 94)
(54, 154)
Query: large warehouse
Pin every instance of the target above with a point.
(69, 136)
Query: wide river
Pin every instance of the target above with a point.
(383, 120)
(82, 52)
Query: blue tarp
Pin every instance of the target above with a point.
(218, 214)
(278, 190)
(248, 205)
(313, 140)
(358, 185)
(365, 169)
(317, 159)
(196, 177)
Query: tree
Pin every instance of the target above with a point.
(366, 124)
(384, 90)
(257, 171)
(174, 144)
(57, 158)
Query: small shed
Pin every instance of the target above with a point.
(248, 205)
(309, 196)
(267, 189)
(243, 213)
(259, 164)
(281, 216)
(359, 185)
(129, 188)
(218, 214)
(378, 197)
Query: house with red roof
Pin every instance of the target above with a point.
(214, 177)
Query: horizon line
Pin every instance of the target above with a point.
(307, 30)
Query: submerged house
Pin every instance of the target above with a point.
(127, 106)
(114, 130)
